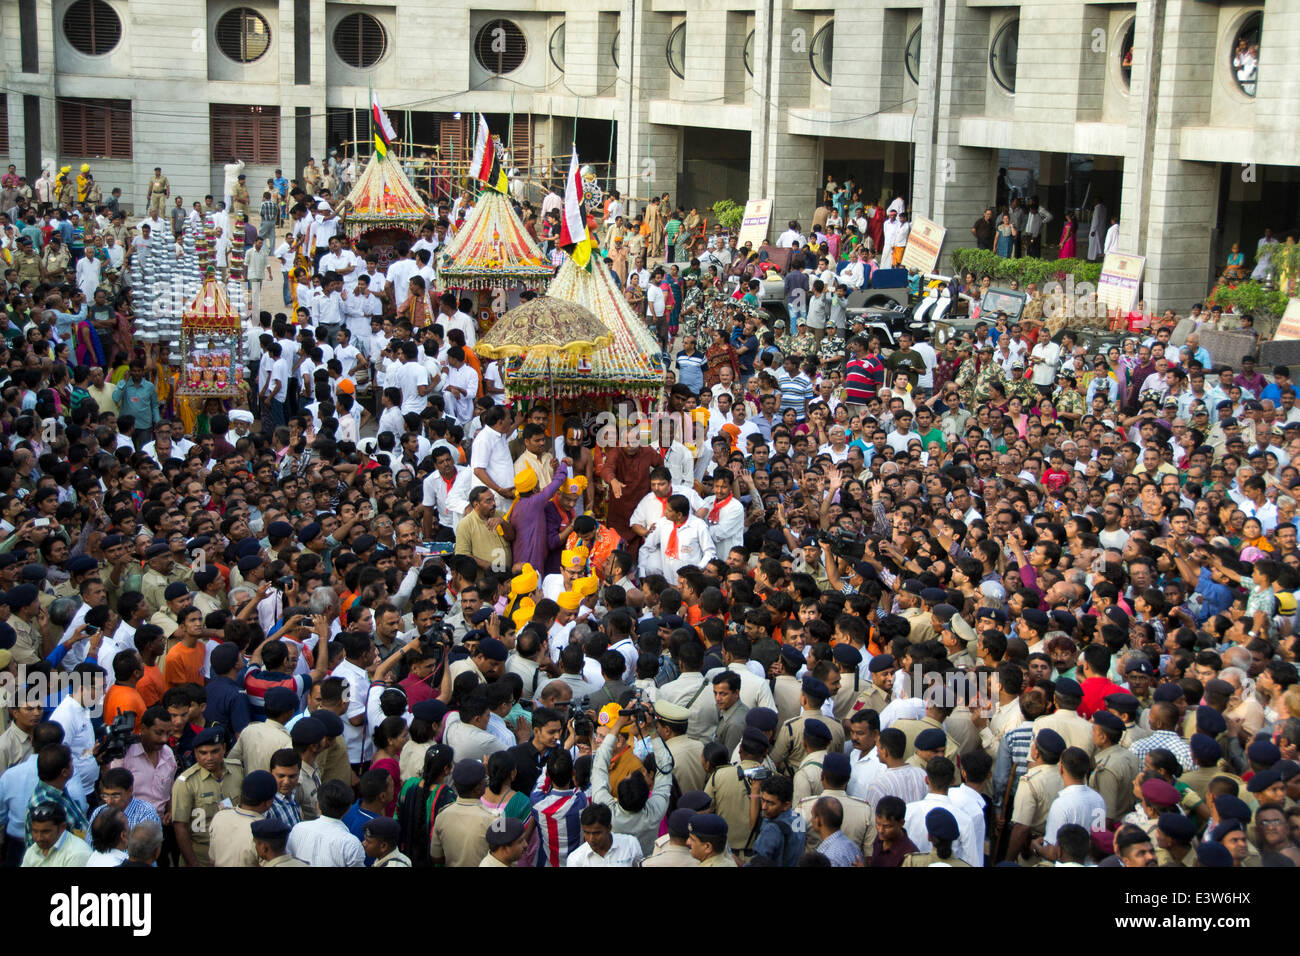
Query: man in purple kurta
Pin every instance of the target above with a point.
(527, 518)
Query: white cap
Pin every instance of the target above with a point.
(241, 415)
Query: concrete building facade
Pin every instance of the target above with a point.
(1177, 113)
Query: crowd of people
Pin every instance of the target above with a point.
(994, 603)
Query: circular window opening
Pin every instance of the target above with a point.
(1002, 55)
(1245, 53)
(92, 27)
(676, 51)
(243, 35)
(613, 48)
(360, 41)
(1126, 55)
(500, 47)
(820, 52)
(912, 56)
(556, 47)
(749, 53)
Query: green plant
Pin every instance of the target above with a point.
(1250, 297)
(1025, 270)
(729, 214)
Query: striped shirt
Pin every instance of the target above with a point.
(862, 379)
(285, 809)
(137, 811)
(557, 814)
(796, 391)
(906, 782)
(1164, 740)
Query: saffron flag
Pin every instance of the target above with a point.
(384, 132)
(573, 223)
(486, 163)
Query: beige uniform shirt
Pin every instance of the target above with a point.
(15, 746)
(859, 820)
(720, 859)
(258, 743)
(232, 837)
(787, 690)
(788, 751)
(1114, 771)
(1075, 730)
(808, 778)
(873, 698)
(912, 728)
(671, 854)
(283, 860)
(198, 796)
(27, 647)
(729, 791)
(1038, 788)
(688, 762)
(460, 833)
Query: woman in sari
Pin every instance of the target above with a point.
(618, 256)
(674, 279)
(390, 737)
(124, 323)
(720, 353)
(1068, 238)
(421, 799)
(502, 799)
(635, 295)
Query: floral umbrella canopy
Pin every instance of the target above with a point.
(493, 250)
(545, 326)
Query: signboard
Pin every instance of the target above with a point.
(753, 225)
(1289, 327)
(1121, 274)
(923, 244)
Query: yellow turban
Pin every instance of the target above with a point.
(522, 616)
(569, 600)
(586, 586)
(576, 485)
(525, 582)
(571, 560)
(85, 167)
(525, 480)
(65, 169)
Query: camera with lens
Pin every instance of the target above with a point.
(582, 724)
(758, 773)
(851, 547)
(121, 735)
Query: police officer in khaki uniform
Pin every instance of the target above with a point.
(808, 778)
(671, 721)
(24, 613)
(231, 836)
(1114, 768)
(787, 688)
(459, 836)
(875, 696)
(1126, 707)
(707, 840)
(1076, 730)
(270, 840)
(1036, 791)
(859, 819)
(159, 190)
(200, 793)
(1208, 757)
(847, 658)
(1173, 839)
(111, 570)
(158, 573)
(731, 788)
(912, 728)
(27, 261)
(671, 850)
(261, 739)
(788, 752)
(79, 568)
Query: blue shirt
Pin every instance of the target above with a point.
(690, 370)
(1274, 394)
(16, 788)
(227, 704)
(840, 850)
(138, 400)
(356, 819)
(779, 841)
(1215, 598)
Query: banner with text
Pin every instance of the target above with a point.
(1121, 274)
(923, 245)
(753, 226)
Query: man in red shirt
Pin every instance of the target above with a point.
(1096, 685)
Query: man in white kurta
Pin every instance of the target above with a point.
(682, 538)
(724, 515)
(649, 513)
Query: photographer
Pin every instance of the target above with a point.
(734, 790)
(637, 809)
(151, 762)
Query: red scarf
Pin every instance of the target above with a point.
(717, 509)
(671, 549)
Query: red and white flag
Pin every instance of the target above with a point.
(573, 224)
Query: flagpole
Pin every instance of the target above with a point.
(370, 112)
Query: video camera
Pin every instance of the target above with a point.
(851, 547)
(121, 735)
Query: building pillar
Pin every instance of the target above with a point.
(647, 153)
